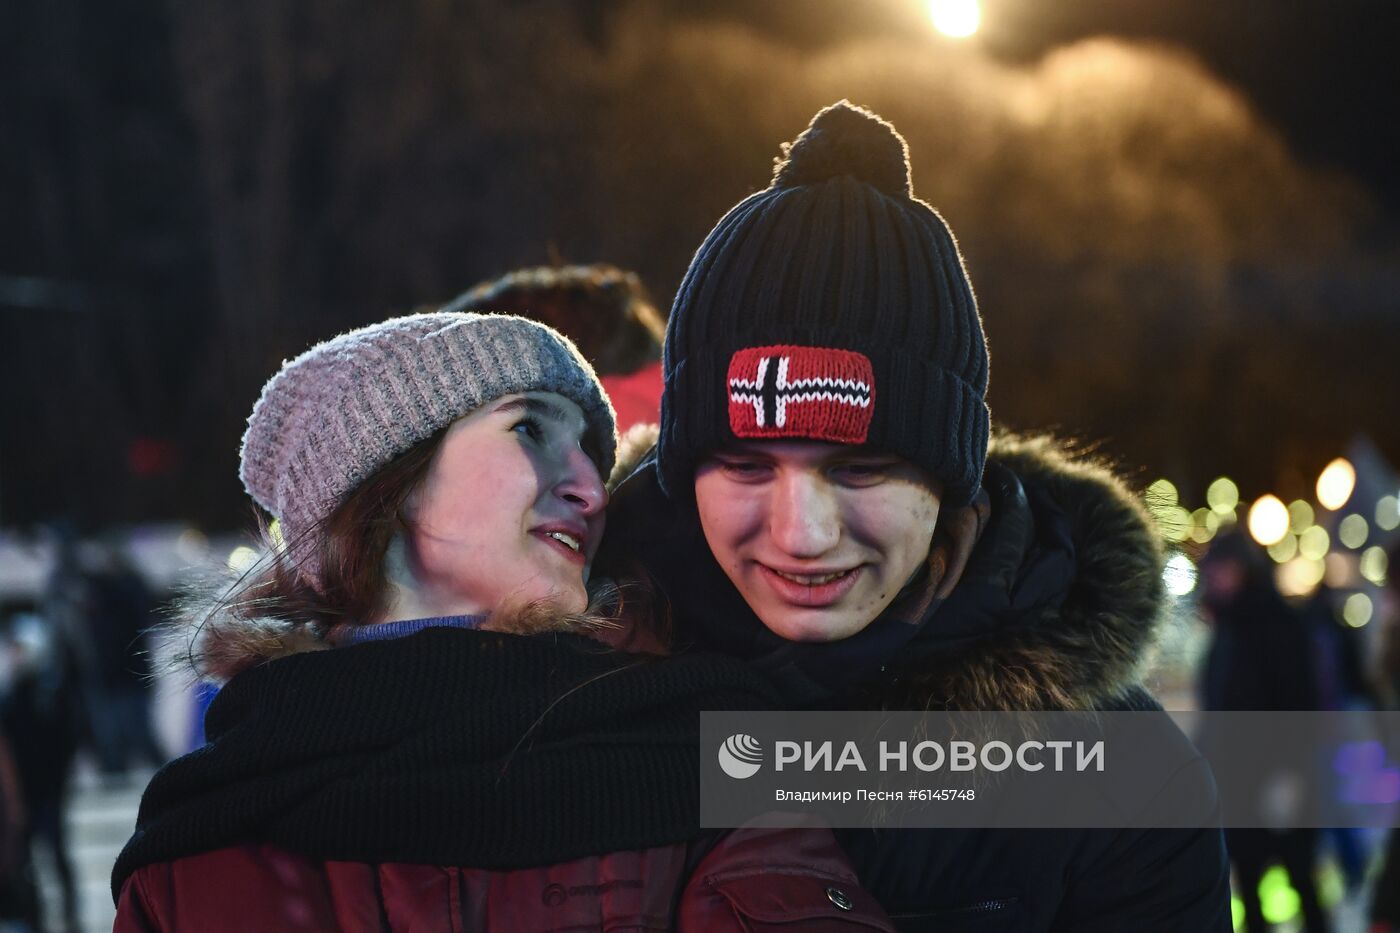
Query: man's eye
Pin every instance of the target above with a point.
(861, 473)
(743, 469)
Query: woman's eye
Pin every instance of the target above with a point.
(528, 427)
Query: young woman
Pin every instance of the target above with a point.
(422, 729)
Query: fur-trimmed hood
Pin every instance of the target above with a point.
(1084, 644)
(1058, 609)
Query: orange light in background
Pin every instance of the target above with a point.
(1336, 484)
(1268, 520)
(1299, 577)
(956, 19)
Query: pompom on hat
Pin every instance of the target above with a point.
(832, 305)
(336, 414)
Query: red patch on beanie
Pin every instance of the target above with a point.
(808, 392)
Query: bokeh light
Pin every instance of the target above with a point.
(241, 558)
(1342, 571)
(1336, 484)
(1374, 564)
(1388, 513)
(1174, 522)
(956, 19)
(1204, 525)
(1352, 531)
(1285, 550)
(191, 546)
(1314, 542)
(1162, 493)
(1300, 516)
(1223, 495)
(1299, 576)
(1179, 575)
(1356, 611)
(1268, 520)
(1277, 900)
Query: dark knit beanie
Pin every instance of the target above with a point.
(833, 305)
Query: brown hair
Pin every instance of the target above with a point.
(351, 544)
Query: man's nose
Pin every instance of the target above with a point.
(804, 519)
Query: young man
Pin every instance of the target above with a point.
(821, 502)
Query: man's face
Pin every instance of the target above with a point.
(819, 538)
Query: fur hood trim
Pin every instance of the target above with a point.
(1087, 653)
(207, 638)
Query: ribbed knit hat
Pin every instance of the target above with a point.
(336, 414)
(833, 305)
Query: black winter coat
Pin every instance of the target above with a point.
(1056, 611)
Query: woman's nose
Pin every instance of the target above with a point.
(581, 484)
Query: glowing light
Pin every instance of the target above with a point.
(1174, 522)
(1388, 513)
(1162, 493)
(1299, 576)
(1268, 520)
(1356, 611)
(1342, 573)
(1179, 575)
(1336, 484)
(1285, 550)
(1352, 531)
(191, 545)
(1223, 495)
(1374, 564)
(274, 531)
(956, 19)
(1204, 525)
(241, 558)
(1300, 516)
(1278, 902)
(1314, 542)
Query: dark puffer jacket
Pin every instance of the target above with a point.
(1056, 611)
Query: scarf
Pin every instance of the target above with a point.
(451, 747)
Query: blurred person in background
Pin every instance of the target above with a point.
(424, 725)
(19, 901)
(1343, 683)
(823, 503)
(605, 311)
(1385, 904)
(117, 610)
(1261, 657)
(40, 714)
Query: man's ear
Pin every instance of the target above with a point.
(953, 541)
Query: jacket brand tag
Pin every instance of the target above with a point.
(811, 392)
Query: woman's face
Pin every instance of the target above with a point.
(510, 513)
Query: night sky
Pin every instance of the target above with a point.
(1182, 218)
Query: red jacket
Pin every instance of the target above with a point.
(751, 880)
